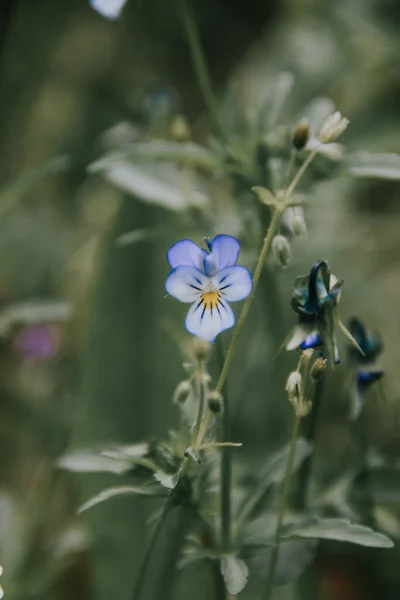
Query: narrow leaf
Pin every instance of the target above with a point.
(235, 573)
(114, 492)
(340, 530)
(381, 166)
(90, 461)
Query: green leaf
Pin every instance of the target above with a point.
(264, 195)
(186, 153)
(381, 166)
(235, 573)
(341, 530)
(155, 184)
(122, 490)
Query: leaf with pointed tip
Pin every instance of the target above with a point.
(264, 195)
(235, 573)
(153, 183)
(349, 336)
(341, 530)
(122, 490)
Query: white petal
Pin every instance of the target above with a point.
(234, 283)
(185, 283)
(108, 8)
(187, 253)
(224, 253)
(207, 323)
(298, 335)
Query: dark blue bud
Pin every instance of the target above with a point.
(312, 341)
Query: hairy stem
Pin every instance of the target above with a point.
(283, 502)
(200, 410)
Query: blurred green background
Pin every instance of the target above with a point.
(75, 86)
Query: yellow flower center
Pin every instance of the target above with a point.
(210, 299)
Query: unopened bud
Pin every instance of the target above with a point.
(301, 135)
(215, 402)
(281, 250)
(299, 226)
(182, 392)
(200, 349)
(318, 369)
(293, 384)
(180, 130)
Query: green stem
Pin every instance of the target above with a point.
(226, 466)
(199, 61)
(282, 509)
(200, 410)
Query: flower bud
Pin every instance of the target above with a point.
(215, 402)
(301, 135)
(182, 392)
(281, 250)
(299, 226)
(200, 349)
(318, 369)
(333, 127)
(180, 130)
(293, 384)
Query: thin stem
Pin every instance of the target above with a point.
(309, 434)
(200, 410)
(199, 61)
(245, 311)
(226, 465)
(282, 508)
(273, 226)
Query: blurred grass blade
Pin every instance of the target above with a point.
(122, 490)
(369, 165)
(13, 192)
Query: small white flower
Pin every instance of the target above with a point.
(111, 9)
(332, 150)
(333, 127)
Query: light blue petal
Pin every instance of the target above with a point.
(111, 9)
(185, 283)
(234, 283)
(187, 253)
(224, 253)
(207, 323)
